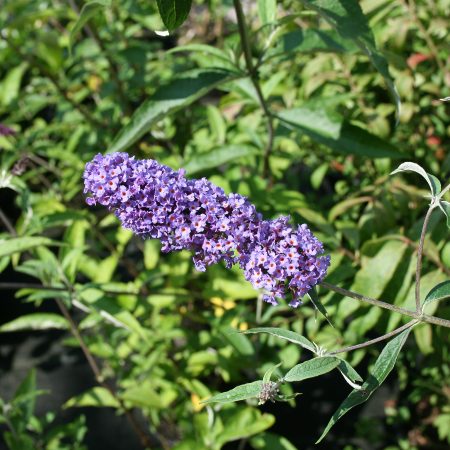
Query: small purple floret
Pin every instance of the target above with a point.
(154, 201)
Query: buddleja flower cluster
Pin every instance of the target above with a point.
(154, 201)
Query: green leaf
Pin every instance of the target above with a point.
(348, 139)
(240, 342)
(312, 368)
(88, 11)
(242, 424)
(10, 85)
(267, 11)
(173, 12)
(270, 441)
(383, 366)
(439, 292)
(288, 335)
(97, 396)
(315, 300)
(347, 17)
(36, 321)
(268, 374)
(242, 392)
(172, 97)
(349, 371)
(311, 40)
(26, 399)
(313, 117)
(445, 208)
(433, 182)
(20, 244)
(217, 157)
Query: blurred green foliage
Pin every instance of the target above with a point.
(165, 334)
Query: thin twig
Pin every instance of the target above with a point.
(420, 253)
(7, 223)
(406, 312)
(242, 27)
(374, 341)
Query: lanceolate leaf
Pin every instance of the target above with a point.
(242, 392)
(433, 182)
(439, 292)
(37, 321)
(173, 12)
(288, 335)
(20, 244)
(88, 11)
(179, 93)
(312, 368)
(349, 20)
(351, 140)
(383, 366)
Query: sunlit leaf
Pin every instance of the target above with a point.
(433, 182)
(97, 396)
(21, 244)
(242, 392)
(287, 335)
(36, 321)
(445, 208)
(312, 368)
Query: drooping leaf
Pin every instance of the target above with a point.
(217, 157)
(349, 371)
(312, 368)
(439, 292)
(383, 366)
(242, 392)
(315, 300)
(347, 17)
(433, 182)
(445, 208)
(36, 321)
(20, 244)
(174, 12)
(287, 335)
(89, 10)
(179, 93)
(97, 396)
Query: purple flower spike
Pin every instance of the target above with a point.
(155, 201)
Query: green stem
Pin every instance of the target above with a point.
(245, 40)
(420, 254)
(406, 312)
(374, 341)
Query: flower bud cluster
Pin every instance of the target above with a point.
(155, 201)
